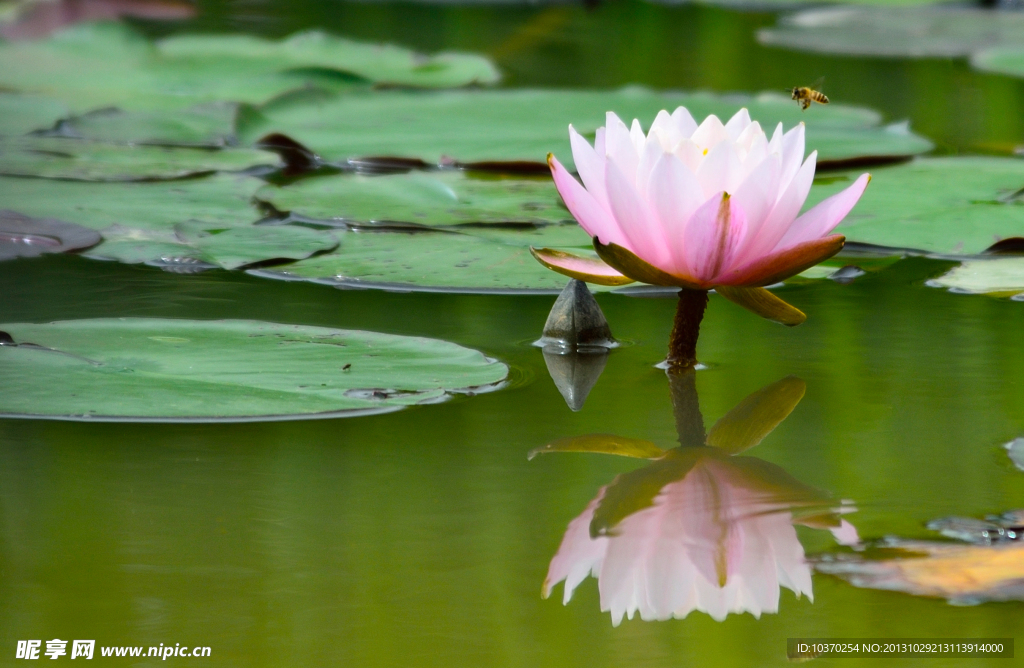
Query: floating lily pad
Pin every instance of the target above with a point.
(229, 248)
(999, 277)
(385, 64)
(105, 64)
(429, 261)
(1015, 449)
(936, 205)
(209, 125)
(141, 369)
(221, 199)
(20, 114)
(61, 158)
(525, 125)
(22, 236)
(1004, 60)
(448, 197)
(897, 31)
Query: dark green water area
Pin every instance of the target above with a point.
(415, 523)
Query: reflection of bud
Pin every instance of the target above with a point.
(719, 539)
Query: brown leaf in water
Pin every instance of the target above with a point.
(961, 574)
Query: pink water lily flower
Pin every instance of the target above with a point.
(697, 206)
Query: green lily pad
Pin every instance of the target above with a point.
(945, 206)
(920, 32)
(220, 199)
(384, 64)
(104, 64)
(1003, 60)
(154, 370)
(228, 248)
(63, 158)
(20, 114)
(525, 125)
(432, 262)
(999, 277)
(209, 125)
(425, 198)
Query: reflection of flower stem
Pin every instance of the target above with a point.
(682, 345)
(686, 407)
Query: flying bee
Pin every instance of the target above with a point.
(806, 94)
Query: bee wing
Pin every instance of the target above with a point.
(819, 84)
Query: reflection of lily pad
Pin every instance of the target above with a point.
(897, 31)
(105, 64)
(61, 158)
(525, 125)
(997, 276)
(424, 198)
(221, 199)
(230, 370)
(938, 205)
(430, 261)
(229, 248)
(22, 236)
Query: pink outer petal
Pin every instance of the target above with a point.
(589, 165)
(782, 215)
(619, 146)
(712, 235)
(758, 193)
(824, 217)
(591, 216)
(644, 235)
(792, 153)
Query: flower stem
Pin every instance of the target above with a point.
(682, 345)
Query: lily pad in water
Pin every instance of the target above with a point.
(20, 114)
(228, 248)
(525, 125)
(999, 277)
(1004, 60)
(62, 158)
(220, 199)
(153, 370)
(425, 198)
(105, 64)
(435, 262)
(921, 32)
(378, 63)
(936, 205)
(209, 125)
(22, 236)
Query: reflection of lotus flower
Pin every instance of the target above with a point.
(719, 540)
(702, 206)
(698, 528)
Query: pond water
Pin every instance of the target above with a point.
(423, 537)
